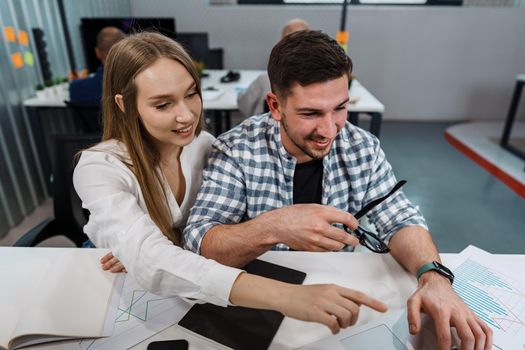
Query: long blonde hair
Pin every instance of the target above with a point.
(125, 60)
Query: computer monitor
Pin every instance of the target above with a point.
(90, 27)
(195, 43)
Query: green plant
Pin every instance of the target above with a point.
(48, 83)
(199, 65)
(39, 87)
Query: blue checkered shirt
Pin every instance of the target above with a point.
(250, 172)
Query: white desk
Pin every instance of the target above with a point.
(227, 97)
(227, 101)
(365, 102)
(377, 275)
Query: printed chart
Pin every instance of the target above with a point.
(496, 298)
(140, 315)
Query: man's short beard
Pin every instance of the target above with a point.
(305, 151)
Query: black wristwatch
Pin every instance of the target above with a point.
(438, 267)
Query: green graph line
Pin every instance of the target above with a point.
(134, 300)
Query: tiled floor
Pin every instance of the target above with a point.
(463, 204)
(480, 141)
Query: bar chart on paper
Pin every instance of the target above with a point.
(497, 299)
(140, 315)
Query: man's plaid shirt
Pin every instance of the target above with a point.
(250, 172)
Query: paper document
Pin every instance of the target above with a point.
(140, 315)
(495, 295)
(50, 294)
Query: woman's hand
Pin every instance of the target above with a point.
(334, 306)
(109, 262)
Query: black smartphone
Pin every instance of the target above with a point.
(179, 344)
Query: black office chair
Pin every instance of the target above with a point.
(69, 216)
(87, 116)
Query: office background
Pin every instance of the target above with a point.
(425, 63)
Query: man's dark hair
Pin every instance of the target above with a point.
(306, 57)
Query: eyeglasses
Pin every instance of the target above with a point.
(367, 238)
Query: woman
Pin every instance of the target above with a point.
(141, 180)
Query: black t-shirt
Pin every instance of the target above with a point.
(308, 182)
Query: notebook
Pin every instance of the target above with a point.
(239, 327)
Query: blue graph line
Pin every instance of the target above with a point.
(469, 276)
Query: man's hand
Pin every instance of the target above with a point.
(111, 263)
(309, 227)
(436, 297)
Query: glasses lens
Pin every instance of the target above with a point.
(372, 242)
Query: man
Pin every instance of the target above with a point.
(261, 172)
(89, 90)
(251, 101)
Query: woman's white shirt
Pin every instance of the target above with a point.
(119, 220)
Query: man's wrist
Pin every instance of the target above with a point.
(435, 266)
(266, 224)
(432, 276)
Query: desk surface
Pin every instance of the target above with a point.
(227, 94)
(377, 275)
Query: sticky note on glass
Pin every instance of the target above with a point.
(28, 58)
(9, 34)
(17, 60)
(23, 38)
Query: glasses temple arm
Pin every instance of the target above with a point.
(377, 201)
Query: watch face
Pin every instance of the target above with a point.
(445, 271)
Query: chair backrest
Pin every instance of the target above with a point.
(88, 116)
(68, 210)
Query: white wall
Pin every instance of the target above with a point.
(431, 63)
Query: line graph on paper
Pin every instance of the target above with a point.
(140, 315)
(497, 299)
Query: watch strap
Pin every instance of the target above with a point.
(434, 266)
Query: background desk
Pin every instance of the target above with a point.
(227, 102)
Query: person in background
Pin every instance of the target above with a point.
(252, 100)
(294, 179)
(140, 182)
(89, 90)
